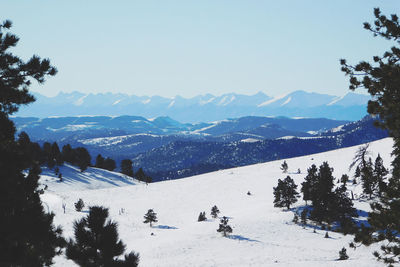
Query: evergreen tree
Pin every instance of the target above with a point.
(56, 154)
(202, 217)
(141, 176)
(344, 179)
(79, 205)
(109, 164)
(303, 216)
(224, 227)
(322, 194)
(343, 254)
(47, 151)
(382, 80)
(357, 174)
(126, 167)
(309, 182)
(150, 217)
(68, 154)
(99, 162)
(27, 234)
(369, 183)
(97, 243)
(82, 158)
(214, 211)
(380, 173)
(284, 167)
(285, 193)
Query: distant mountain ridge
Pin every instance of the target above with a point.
(204, 108)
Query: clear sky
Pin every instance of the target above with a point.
(188, 48)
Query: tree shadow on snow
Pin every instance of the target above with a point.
(242, 238)
(165, 227)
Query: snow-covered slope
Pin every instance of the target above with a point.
(262, 235)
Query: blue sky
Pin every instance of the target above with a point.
(188, 48)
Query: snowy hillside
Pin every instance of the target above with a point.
(262, 235)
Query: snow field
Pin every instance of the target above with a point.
(262, 235)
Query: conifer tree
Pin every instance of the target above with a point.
(150, 217)
(126, 167)
(68, 154)
(322, 194)
(369, 183)
(285, 193)
(343, 254)
(27, 234)
(380, 173)
(308, 184)
(214, 211)
(109, 164)
(224, 227)
(97, 243)
(82, 158)
(284, 167)
(99, 162)
(303, 216)
(382, 80)
(202, 217)
(79, 205)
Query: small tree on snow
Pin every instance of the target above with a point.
(343, 254)
(150, 217)
(202, 217)
(79, 205)
(224, 228)
(285, 193)
(284, 167)
(214, 212)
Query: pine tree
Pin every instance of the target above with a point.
(303, 216)
(285, 193)
(308, 184)
(214, 211)
(284, 167)
(27, 234)
(380, 173)
(109, 164)
(68, 154)
(224, 228)
(79, 205)
(322, 194)
(343, 254)
(82, 158)
(202, 217)
(150, 217)
(97, 243)
(126, 167)
(382, 80)
(99, 162)
(368, 180)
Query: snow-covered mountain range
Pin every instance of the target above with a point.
(262, 235)
(204, 108)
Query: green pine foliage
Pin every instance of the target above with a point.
(27, 234)
(126, 167)
(381, 78)
(224, 228)
(214, 212)
(285, 193)
(97, 243)
(202, 217)
(284, 167)
(150, 217)
(79, 205)
(343, 254)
